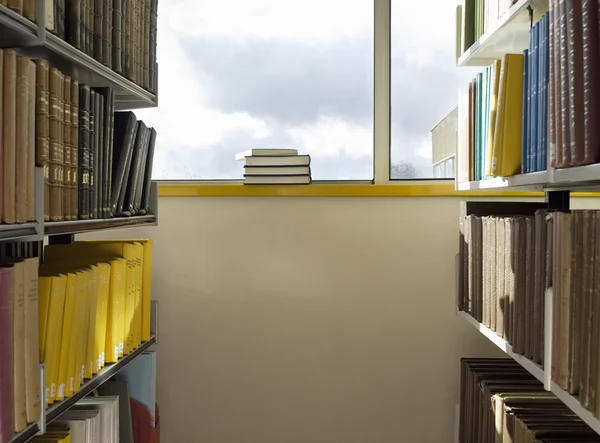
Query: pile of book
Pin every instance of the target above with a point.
(120, 34)
(275, 167)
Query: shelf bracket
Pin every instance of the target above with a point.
(154, 323)
(558, 200)
(43, 400)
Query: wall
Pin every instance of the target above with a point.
(308, 320)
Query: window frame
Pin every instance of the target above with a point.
(382, 112)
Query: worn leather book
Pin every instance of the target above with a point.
(16, 5)
(74, 25)
(575, 74)
(153, 43)
(145, 203)
(564, 86)
(7, 395)
(22, 138)
(74, 193)
(67, 149)
(591, 88)
(31, 138)
(107, 14)
(10, 136)
(135, 169)
(117, 36)
(93, 158)
(98, 29)
(83, 172)
(100, 174)
(125, 128)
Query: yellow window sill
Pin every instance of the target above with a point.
(236, 189)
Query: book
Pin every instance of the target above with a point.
(277, 179)
(265, 152)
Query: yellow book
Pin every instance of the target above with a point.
(51, 357)
(69, 332)
(116, 312)
(78, 333)
(44, 285)
(91, 346)
(102, 315)
(146, 293)
(507, 137)
(495, 84)
(32, 343)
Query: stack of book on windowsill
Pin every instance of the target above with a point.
(275, 167)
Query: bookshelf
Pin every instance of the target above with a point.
(528, 272)
(508, 34)
(74, 178)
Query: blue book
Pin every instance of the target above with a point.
(525, 132)
(534, 98)
(540, 101)
(546, 80)
(529, 97)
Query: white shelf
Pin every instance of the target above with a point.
(509, 34)
(535, 181)
(580, 175)
(531, 367)
(570, 401)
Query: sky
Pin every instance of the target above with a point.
(242, 74)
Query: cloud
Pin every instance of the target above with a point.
(235, 75)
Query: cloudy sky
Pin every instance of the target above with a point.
(241, 74)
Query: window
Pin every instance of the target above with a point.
(241, 74)
(424, 88)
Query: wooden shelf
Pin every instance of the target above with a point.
(509, 34)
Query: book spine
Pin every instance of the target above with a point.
(551, 90)
(93, 156)
(117, 37)
(74, 205)
(29, 9)
(564, 85)
(74, 23)
(7, 395)
(16, 5)
(22, 138)
(68, 150)
(84, 151)
(109, 160)
(145, 205)
(100, 189)
(153, 43)
(534, 99)
(557, 86)
(31, 138)
(591, 73)
(525, 104)
(106, 32)
(98, 30)
(575, 74)
(9, 135)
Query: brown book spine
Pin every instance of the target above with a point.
(117, 40)
(595, 326)
(31, 138)
(529, 299)
(556, 295)
(1, 137)
(7, 379)
(10, 135)
(55, 145)
(500, 282)
(575, 318)
(67, 149)
(575, 63)
(565, 353)
(564, 85)
(146, 47)
(98, 30)
(106, 32)
(556, 84)
(16, 5)
(74, 206)
(548, 278)
(551, 89)
(29, 9)
(22, 138)
(591, 73)
(42, 151)
(586, 304)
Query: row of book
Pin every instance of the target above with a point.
(511, 256)
(501, 402)
(97, 162)
(542, 103)
(120, 34)
(503, 114)
(478, 16)
(88, 305)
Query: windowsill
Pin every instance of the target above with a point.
(409, 188)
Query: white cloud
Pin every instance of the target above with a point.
(331, 136)
(182, 117)
(309, 20)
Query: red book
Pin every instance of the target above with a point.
(7, 403)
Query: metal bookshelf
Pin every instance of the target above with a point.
(34, 40)
(31, 38)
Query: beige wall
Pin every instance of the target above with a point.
(308, 320)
